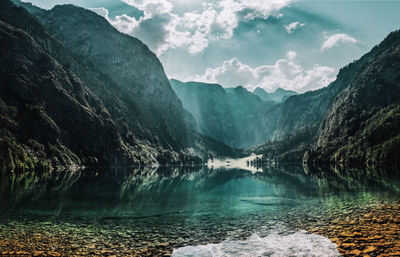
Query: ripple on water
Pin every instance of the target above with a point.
(300, 243)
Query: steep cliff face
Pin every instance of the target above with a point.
(143, 102)
(47, 114)
(209, 107)
(230, 115)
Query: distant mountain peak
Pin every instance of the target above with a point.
(241, 89)
(280, 90)
(279, 95)
(260, 89)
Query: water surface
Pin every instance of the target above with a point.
(182, 210)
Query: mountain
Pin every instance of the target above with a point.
(47, 113)
(280, 95)
(355, 120)
(70, 98)
(231, 115)
(362, 125)
(74, 91)
(142, 99)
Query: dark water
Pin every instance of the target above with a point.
(229, 212)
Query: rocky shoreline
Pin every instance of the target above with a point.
(365, 231)
(371, 230)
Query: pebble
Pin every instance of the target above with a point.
(366, 230)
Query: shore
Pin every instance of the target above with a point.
(372, 230)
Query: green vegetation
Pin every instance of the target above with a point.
(19, 157)
(377, 143)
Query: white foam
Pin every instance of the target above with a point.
(299, 243)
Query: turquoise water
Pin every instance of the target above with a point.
(184, 209)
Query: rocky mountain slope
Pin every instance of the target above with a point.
(142, 99)
(47, 113)
(231, 115)
(67, 102)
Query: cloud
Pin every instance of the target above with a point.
(123, 23)
(151, 7)
(150, 28)
(335, 39)
(162, 28)
(285, 73)
(293, 26)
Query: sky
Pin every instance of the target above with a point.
(297, 45)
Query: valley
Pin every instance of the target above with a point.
(104, 153)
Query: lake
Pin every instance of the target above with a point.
(185, 211)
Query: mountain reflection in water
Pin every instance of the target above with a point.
(136, 192)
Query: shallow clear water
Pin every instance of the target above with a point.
(193, 210)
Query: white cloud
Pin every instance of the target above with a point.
(151, 7)
(291, 55)
(285, 73)
(293, 26)
(124, 23)
(335, 39)
(161, 28)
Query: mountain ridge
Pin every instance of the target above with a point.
(279, 95)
